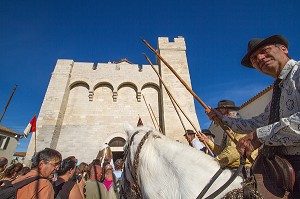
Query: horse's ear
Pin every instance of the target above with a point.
(128, 128)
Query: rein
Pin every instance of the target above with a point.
(133, 170)
(134, 174)
(225, 185)
(212, 180)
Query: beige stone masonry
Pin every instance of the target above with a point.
(86, 104)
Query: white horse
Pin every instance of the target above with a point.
(169, 169)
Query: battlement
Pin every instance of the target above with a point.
(63, 64)
(87, 103)
(165, 44)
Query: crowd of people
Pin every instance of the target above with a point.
(54, 177)
(12, 171)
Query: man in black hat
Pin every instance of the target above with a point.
(277, 128)
(191, 138)
(208, 134)
(228, 155)
(210, 137)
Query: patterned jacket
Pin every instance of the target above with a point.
(286, 132)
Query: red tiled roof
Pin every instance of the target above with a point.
(20, 154)
(257, 96)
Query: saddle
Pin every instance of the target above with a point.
(274, 176)
(282, 171)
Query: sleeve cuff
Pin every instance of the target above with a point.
(262, 133)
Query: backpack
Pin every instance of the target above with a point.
(62, 191)
(9, 190)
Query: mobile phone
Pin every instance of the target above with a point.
(78, 178)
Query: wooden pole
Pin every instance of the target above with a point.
(5, 108)
(173, 100)
(149, 111)
(35, 136)
(227, 130)
(155, 118)
(176, 109)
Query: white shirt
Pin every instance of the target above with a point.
(285, 132)
(197, 144)
(118, 174)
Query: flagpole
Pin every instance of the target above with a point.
(35, 139)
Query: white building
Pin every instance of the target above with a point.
(8, 142)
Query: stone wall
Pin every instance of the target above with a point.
(86, 104)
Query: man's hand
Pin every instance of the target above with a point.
(211, 113)
(202, 137)
(246, 145)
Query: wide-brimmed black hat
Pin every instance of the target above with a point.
(207, 132)
(256, 43)
(227, 104)
(189, 132)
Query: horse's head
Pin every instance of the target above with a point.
(136, 137)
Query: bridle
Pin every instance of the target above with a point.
(133, 169)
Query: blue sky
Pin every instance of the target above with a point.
(34, 34)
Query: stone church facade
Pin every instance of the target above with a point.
(86, 104)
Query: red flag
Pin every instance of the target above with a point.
(31, 127)
(140, 122)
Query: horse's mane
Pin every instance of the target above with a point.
(165, 165)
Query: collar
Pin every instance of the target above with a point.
(286, 69)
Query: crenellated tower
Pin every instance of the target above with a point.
(175, 54)
(86, 104)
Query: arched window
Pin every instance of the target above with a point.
(117, 142)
